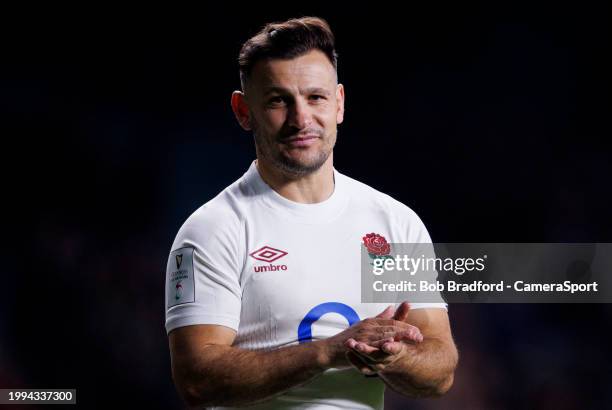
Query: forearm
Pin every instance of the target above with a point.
(225, 375)
(426, 371)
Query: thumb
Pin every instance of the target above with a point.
(402, 312)
(387, 313)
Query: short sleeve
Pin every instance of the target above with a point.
(203, 271)
(416, 232)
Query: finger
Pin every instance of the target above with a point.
(393, 348)
(379, 343)
(402, 312)
(374, 359)
(397, 328)
(359, 364)
(389, 322)
(350, 343)
(387, 313)
(412, 335)
(391, 330)
(365, 358)
(365, 349)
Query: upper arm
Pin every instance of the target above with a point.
(203, 272)
(203, 297)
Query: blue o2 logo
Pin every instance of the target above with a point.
(305, 327)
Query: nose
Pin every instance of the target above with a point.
(299, 115)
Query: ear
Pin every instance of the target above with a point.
(340, 102)
(241, 110)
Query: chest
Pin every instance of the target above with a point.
(304, 281)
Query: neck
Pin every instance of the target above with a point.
(307, 189)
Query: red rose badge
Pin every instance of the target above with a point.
(376, 245)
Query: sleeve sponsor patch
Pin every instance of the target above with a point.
(180, 282)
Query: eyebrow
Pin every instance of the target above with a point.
(310, 90)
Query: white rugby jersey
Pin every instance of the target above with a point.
(281, 273)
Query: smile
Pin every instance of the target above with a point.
(304, 141)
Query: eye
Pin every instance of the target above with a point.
(278, 100)
(317, 97)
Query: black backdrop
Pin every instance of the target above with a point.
(489, 121)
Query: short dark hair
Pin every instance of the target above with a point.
(287, 40)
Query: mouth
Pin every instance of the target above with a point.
(301, 141)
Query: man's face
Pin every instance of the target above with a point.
(294, 108)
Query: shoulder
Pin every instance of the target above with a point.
(374, 201)
(221, 218)
(365, 196)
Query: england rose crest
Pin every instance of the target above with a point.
(377, 246)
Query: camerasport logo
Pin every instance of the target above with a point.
(377, 246)
(269, 255)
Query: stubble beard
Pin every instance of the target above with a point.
(267, 151)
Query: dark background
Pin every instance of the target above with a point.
(491, 122)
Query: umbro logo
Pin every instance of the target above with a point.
(269, 255)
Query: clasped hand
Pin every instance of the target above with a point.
(385, 339)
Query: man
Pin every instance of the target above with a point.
(263, 284)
